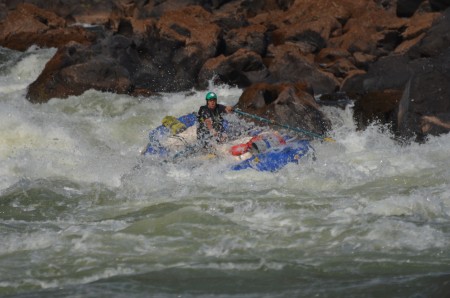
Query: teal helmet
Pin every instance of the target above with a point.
(211, 96)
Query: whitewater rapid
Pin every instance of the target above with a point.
(82, 209)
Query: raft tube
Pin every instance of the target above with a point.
(271, 160)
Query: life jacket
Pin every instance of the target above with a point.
(215, 116)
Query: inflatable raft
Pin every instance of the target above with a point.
(261, 150)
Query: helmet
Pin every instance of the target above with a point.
(211, 96)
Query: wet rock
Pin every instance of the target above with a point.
(241, 69)
(438, 5)
(251, 37)
(231, 17)
(29, 25)
(290, 65)
(376, 107)
(391, 72)
(362, 61)
(331, 55)
(290, 104)
(420, 75)
(366, 49)
(73, 70)
(406, 8)
(436, 40)
(427, 93)
(192, 40)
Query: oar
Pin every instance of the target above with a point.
(296, 129)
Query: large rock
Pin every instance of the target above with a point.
(289, 64)
(183, 41)
(287, 104)
(376, 106)
(407, 8)
(75, 69)
(439, 4)
(417, 26)
(252, 37)
(376, 51)
(436, 39)
(29, 25)
(417, 83)
(241, 69)
(391, 72)
(426, 94)
(161, 56)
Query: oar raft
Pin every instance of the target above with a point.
(259, 150)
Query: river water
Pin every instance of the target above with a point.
(82, 214)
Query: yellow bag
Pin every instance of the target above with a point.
(175, 125)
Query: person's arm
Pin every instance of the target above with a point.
(436, 121)
(224, 109)
(427, 120)
(209, 125)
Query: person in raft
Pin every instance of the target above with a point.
(210, 122)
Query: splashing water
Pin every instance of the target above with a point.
(84, 215)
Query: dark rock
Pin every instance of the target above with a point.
(427, 93)
(436, 40)
(390, 72)
(439, 5)
(75, 69)
(252, 38)
(29, 25)
(376, 106)
(290, 104)
(241, 69)
(290, 65)
(363, 61)
(372, 51)
(406, 8)
(331, 55)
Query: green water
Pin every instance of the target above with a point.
(82, 214)
(61, 239)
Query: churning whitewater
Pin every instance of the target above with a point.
(83, 214)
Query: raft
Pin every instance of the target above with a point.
(178, 135)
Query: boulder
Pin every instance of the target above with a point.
(290, 65)
(391, 72)
(381, 53)
(287, 104)
(29, 25)
(183, 41)
(241, 69)
(421, 76)
(161, 56)
(230, 16)
(439, 5)
(407, 8)
(376, 106)
(76, 68)
(427, 93)
(251, 37)
(436, 40)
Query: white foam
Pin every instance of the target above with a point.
(96, 138)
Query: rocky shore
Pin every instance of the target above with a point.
(391, 57)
